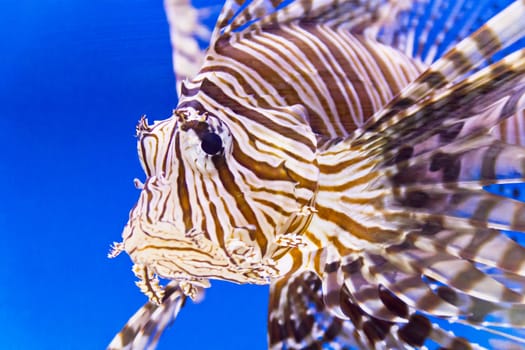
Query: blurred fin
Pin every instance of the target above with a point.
(186, 31)
(144, 328)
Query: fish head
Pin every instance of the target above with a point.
(207, 210)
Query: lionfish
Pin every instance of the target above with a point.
(339, 151)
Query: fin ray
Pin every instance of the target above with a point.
(498, 33)
(144, 328)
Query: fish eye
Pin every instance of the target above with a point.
(211, 143)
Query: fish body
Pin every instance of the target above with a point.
(308, 154)
(294, 107)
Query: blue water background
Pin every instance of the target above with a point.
(75, 77)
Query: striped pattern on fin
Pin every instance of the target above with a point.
(434, 27)
(480, 267)
(455, 208)
(409, 288)
(295, 316)
(512, 129)
(459, 274)
(341, 79)
(479, 102)
(144, 328)
(299, 319)
(357, 16)
(473, 164)
(498, 33)
(367, 295)
(237, 13)
(481, 312)
(441, 139)
(419, 279)
(470, 107)
(187, 33)
(484, 246)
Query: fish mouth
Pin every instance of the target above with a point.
(166, 255)
(163, 245)
(183, 257)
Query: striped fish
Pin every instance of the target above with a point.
(339, 151)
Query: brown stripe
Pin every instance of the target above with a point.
(149, 197)
(262, 170)
(207, 200)
(376, 330)
(148, 153)
(164, 204)
(340, 166)
(458, 58)
(489, 160)
(239, 77)
(192, 103)
(375, 202)
(217, 94)
(416, 331)
(195, 252)
(434, 79)
(182, 191)
(480, 217)
(487, 41)
(188, 92)
(352, 227)
(315, 241)
(230, 185)
(333, 330)
(393, 303)
(367, 178)
(512, 258)
(317, 124)
(167, 169)
(273, 78)
(386, 73)
(273, 205)
(331, 81)
(518, 219)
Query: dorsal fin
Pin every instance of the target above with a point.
(237, 13)
(188, 34)
(358, 16)
(422, 29)
(496, 35)
(431, 28)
